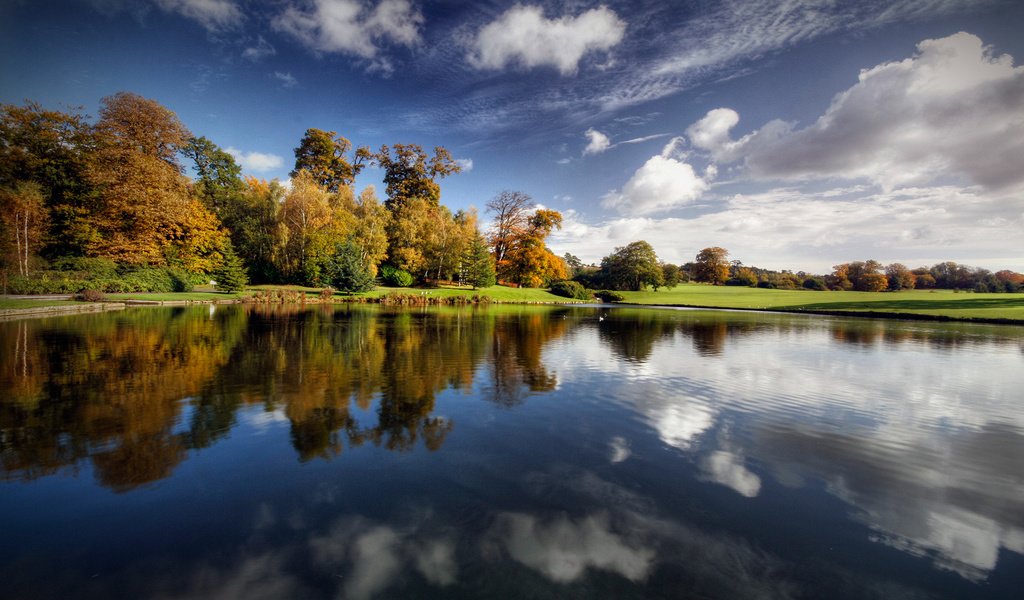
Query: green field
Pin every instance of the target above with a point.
(496, 293)
(8, 303)
(935, 303)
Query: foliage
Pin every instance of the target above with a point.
(528, 261)
(394, 277)
(571, 289)
(218, 178)
(323, 154)
(23, 221)
(609, 296)
(815, 283)
(409, 173)
(90, 296)
(479, 264)
(712, 265)
(346, 270)
(743, 276)
(632, 267)
(671, 274)
(900, 277)
(230, 274)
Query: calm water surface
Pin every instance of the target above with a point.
(509, 452)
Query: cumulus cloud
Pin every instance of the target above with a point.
(522, 35)
(350, 27)
(727, 468)
(664, 182)
(597, 142)
(214, 15)
(952, 108)
(255, 161)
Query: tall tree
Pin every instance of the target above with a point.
(218, 177)
(347, 271)
(306, 214)
(410, 173)
(712, 265)
(631, 267)
(528, 261)
(371, 229)
(23, 218)
(479, 264)
(230, 273)
(324, 155)
(511, 213)
(141, 187)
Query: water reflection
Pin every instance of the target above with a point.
(622, 452)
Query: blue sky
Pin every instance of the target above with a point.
(795, 133)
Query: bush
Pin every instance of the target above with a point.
(813, 283)
(90, 296)
(326, 294)
(90, 267)
(393, 277)
(570, 289)
(609, 296)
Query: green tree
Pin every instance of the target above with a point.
(900, 277)
(230, 274)
(479, 264)
(573, 263)
(672, 274)
(712, 265)
(410, 173)
(218, 181)
(631, 267)
(324, 155)
(347, 271)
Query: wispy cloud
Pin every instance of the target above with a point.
(286, 79)
(214, 15)
(255, 161)
(259, 50)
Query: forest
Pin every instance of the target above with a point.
(108, 205)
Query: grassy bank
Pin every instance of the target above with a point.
(496, 293)
(930, 303)
(16, 303)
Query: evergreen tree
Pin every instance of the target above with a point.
(230, 276)
(480, 264)
(348, 271)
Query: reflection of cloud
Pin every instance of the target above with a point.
(679, 423)
(620, 449)
(252, 578)
(563, 549)
(728, 469)
(378, 554)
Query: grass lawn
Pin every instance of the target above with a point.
(174, 296)
(497, 293)
(6, 303)
(944, 303)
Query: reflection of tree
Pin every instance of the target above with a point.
(516, 347)
(632, 334)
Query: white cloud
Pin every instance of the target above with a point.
(350, 27)
(286, 79)
(953, 108)
(260, 50)
(662, 183)
(597, 142)
(727, 468)
(214, 15)
(255, 161)
(465, 163)
(523, 36)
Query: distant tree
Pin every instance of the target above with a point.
(410, 173)
(743, 276)
(511, 216)
(923, 279)
(347, 271)
(632, 267)
(528, 261)
(324, 155)
(479, 264)
(672, 274)
(574, 264)
(866, 276)
(230, 274)
(839, 279)
(712, 265)
(900, 277)
(371, 230)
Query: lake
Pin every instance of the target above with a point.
(508, 452)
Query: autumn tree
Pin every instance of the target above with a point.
(511, 214)
(306, 217)
(410, 173)
(23, 219)
(409, 230)
(712, 265)
(325, 156)
(528, 261)
(256, 232)
(51, 149)
(900, 277)
(632, 267)
(371, 228)
(142, 193)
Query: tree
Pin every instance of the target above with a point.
(323, 154)
(528, 261)
(24, 220)
(479, 264)
(256, 232)
(631, 267)
(218, 178)
(142, 192)
(511, 215)
(672, 274)
(306, 216)
(371, 233)
(409, 173)
(900, 277)
(347, 271)
(230, 274)
(712, 265)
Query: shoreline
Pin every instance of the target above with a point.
(865, 314)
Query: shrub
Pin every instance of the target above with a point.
(90, 296)
(570, 289)
(609, 296)
(326, 294)
(395, 277)
(814, 283)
